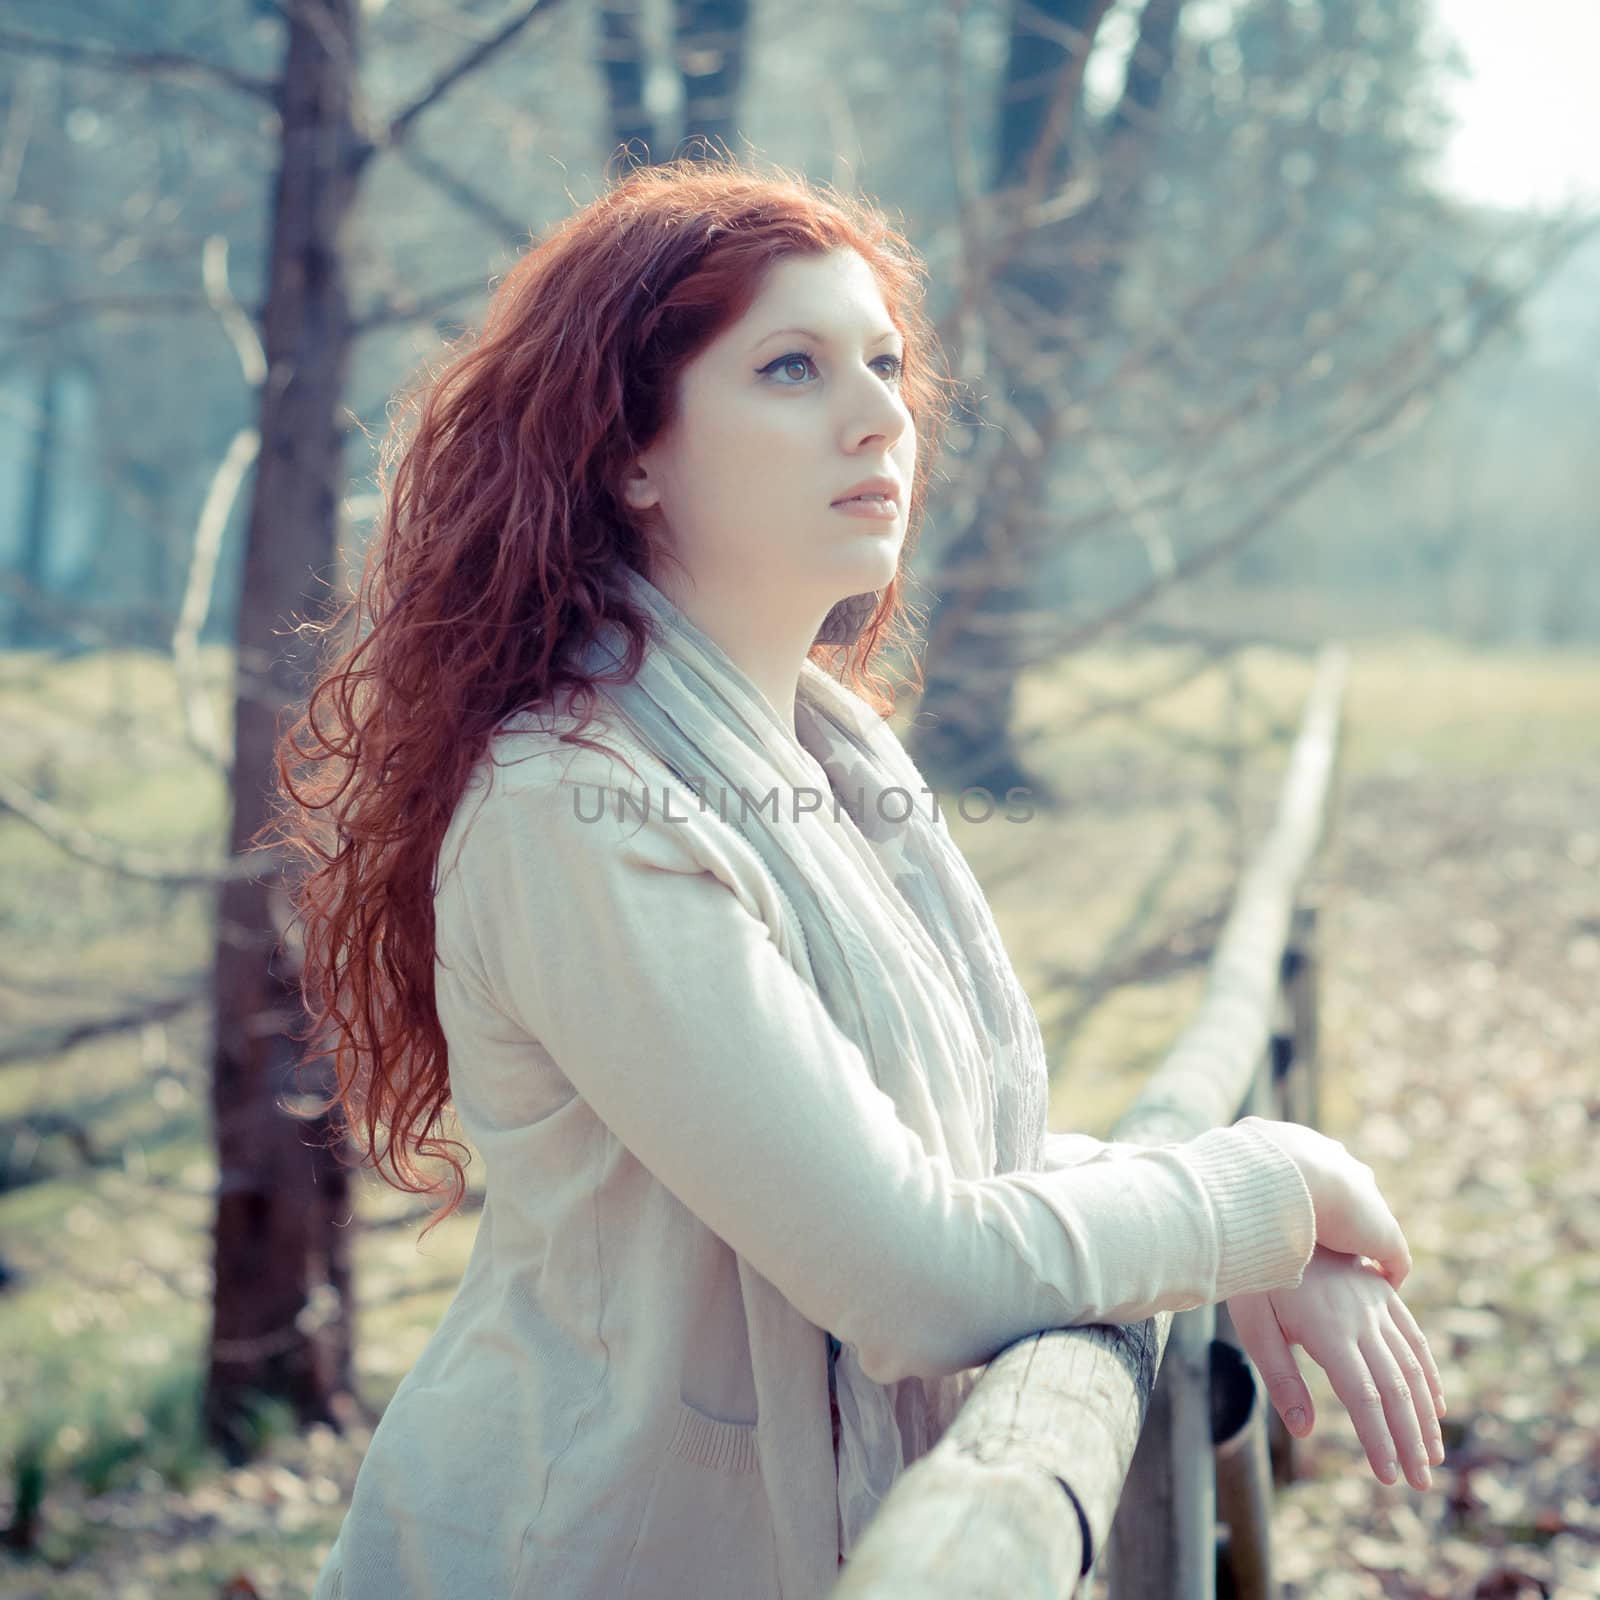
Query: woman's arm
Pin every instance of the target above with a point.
(1069, 1149)
(665, 1001)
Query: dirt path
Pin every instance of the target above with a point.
(1462, 1027)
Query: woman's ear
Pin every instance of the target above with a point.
(639, 493)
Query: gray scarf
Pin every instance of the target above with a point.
(899, 943)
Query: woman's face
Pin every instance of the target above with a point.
(773, 426)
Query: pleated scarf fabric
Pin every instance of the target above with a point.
(898, 942)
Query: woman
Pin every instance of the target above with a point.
(616, 868)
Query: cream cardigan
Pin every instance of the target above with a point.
(653, 1087)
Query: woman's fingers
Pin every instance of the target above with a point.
(1411, 1365)
(1393, 1254)
(1359, 1394)
(1257, 1327)
(1400, 1409)
(1354, 1219)
(1397, 1265)
(1351, 1214)
(1415, 1337)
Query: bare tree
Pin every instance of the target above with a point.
(278, 1199)
(709, 44)
(1115, 268)
(1068, 215)
(282, 1291)
(280, 1202)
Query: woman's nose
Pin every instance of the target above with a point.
(880, 413)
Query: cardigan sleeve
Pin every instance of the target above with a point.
(1068, 1149)
(663, 998)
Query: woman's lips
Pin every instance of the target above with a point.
(873, 510)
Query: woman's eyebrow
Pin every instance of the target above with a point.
(817, 338)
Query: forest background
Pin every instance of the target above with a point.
(1245, 374)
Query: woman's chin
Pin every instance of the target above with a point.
(873, 563)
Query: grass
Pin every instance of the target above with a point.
(103, 1332)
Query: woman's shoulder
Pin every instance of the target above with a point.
(537, 790)
(538, 749)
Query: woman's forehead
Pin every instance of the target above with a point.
(833, 298)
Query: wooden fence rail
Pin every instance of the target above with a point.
(1119, 1449)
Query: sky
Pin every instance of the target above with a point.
(1529, 133)
(1528, 130)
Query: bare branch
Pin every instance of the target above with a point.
(1028, 204)
(1208, 483)
(404, 308)
(470, 199)
(14, 141)
(1209, 651)
(158, 63)
(967, 324)
(40, 1043)
(1379, 418)
(468, 62)
(200, 721)
(242, 329)
(41, 319)
(92, 626)
(1180, 947)
(84, 846)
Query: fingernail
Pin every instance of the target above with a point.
(1427, 1478)
(1390, 1472)
(1296, 1418)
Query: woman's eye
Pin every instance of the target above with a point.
(800, 359)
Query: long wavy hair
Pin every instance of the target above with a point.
(497, 555)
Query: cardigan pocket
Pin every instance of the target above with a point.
(706, 1532)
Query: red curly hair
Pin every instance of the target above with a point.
(497, 555)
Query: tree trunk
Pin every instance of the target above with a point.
(622, 65)
(276, 1243)
(710, 54)
(1067, 272)
(708, 50)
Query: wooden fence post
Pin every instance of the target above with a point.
(1300, 1088)
(1163, 1538)
(1243, 1452)
(1244, 1485)
(1296, 1096)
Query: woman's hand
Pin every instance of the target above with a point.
(1350, 1321)
(1353, 1218)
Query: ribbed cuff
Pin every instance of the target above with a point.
(1266, 1224)
(726, 1446)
